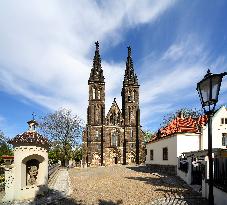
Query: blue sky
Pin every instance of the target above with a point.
(47, 47)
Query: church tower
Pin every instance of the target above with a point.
(117, 137)
(130, 109)
(96, 109)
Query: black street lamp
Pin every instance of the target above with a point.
(208, 89)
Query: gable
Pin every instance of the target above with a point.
(114, 115)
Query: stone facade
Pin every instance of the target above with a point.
(115, 138)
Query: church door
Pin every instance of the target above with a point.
(115, 160)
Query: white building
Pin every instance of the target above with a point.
(185, 135)
(219, 130)
(182, 134)
(190, 137)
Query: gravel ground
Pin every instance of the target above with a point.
(129, 185)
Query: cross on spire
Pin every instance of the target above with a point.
(97, 45)
(33, 116)
(129, 51)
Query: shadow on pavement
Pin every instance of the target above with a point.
(50, 196)
(174, 189)
(104, 202)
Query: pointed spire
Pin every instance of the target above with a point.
(129, 51)
(96, 71)
(130, 77)
(97, 46)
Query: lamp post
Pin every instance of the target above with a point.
(208, 89)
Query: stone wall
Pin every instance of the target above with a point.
(165, 169)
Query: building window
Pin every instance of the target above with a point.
(114, 140)
(98, 147)
(151, 154)
(134, 95)
(131, 134)
(99, 94)
(97, 134)
(224, 121)
(93, 93)
(145, 151)
(224, 139)
(111, 119)
(165, 153)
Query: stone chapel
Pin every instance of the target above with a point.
(115, 138)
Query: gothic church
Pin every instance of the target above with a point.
(115, 138)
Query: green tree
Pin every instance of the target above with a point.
(184, 112)
(64, 130)
(78, 154)
(148, 136)
(5, 148)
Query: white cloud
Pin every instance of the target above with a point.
(47, 46)
(177, 71)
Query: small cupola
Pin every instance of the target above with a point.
(32, 125)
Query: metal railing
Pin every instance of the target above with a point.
(2, 179)
(52, 168)
(220, 173)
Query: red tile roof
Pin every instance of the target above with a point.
(29, 137)
(180, 125)
(7, 157)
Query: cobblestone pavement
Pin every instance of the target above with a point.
(57, 192)
(129, 185)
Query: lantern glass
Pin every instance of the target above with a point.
(204, 91)
(216, 82)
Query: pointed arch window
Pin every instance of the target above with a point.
(97, 134)
(111, 119)
(134, 95)
(114, 118)
(93, 93)
(129, 96)
(114, 139)
(129, 113)
(99, 94)
(131, 134)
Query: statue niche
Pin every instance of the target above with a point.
(32, 167)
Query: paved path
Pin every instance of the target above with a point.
(61, 184)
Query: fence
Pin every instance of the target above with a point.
(52, 168)
(183, 165)
(220, 173)
(2, 179)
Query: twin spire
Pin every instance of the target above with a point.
(96, 74)
(130, 76)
